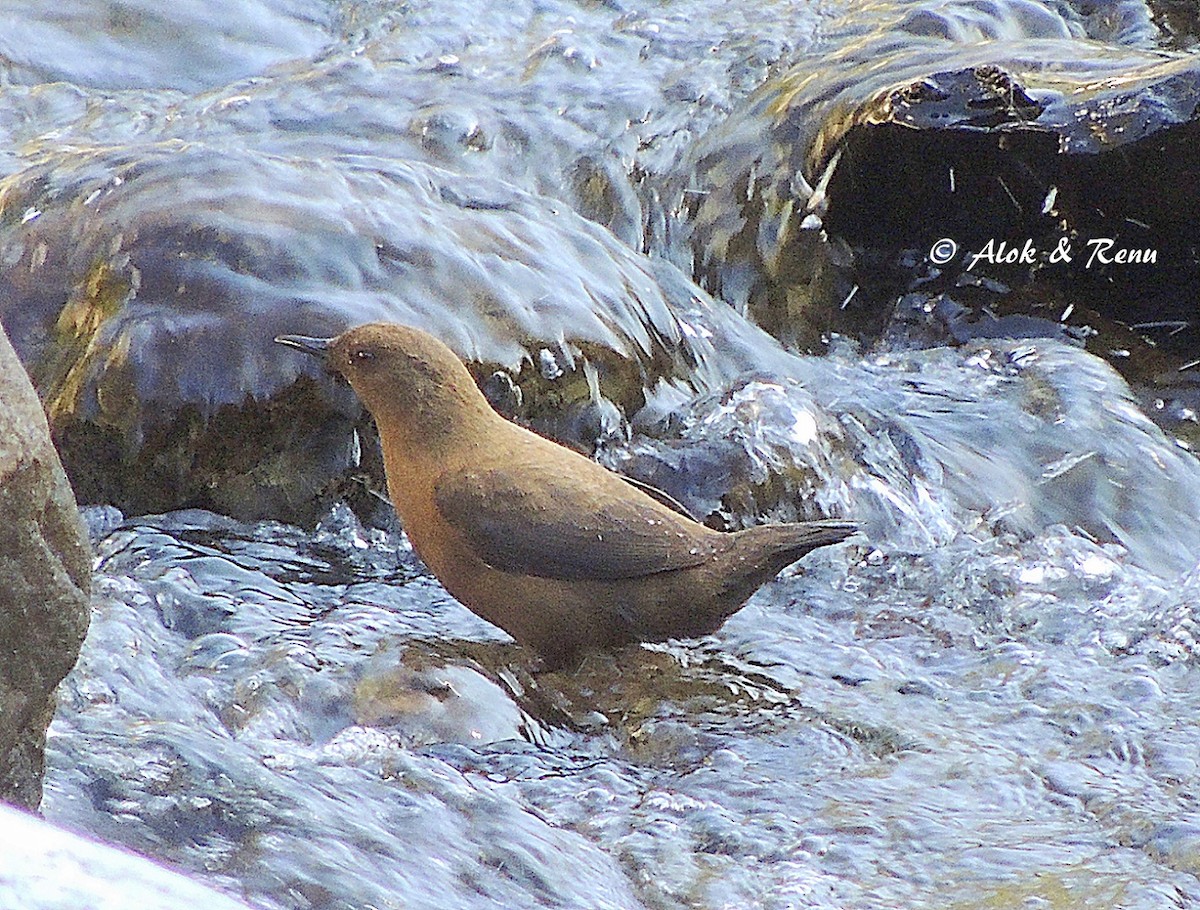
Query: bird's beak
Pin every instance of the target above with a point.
(318, 347)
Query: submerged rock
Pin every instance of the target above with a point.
(143, 288)
(45, 580)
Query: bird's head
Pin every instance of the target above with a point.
(412, 383)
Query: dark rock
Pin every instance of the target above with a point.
(822, 174)
(817, 207)
(45, 582)
(1180, 19)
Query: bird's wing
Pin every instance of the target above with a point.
(565, 530)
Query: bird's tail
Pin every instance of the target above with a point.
(759, 553)
(792, 541)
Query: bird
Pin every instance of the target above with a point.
(560, 552)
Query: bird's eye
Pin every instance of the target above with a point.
(364, 355)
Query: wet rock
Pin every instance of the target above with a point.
(143, 288)
(422, 700)
(47, 868)
(1180, 19)
(919, 161)
(45, 580)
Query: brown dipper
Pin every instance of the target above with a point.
(557, 550)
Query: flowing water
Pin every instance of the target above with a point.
(953, 711)
(988, 699)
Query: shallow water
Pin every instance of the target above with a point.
(965, 716)
(988, 699)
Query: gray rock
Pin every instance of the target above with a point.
(45, 581)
